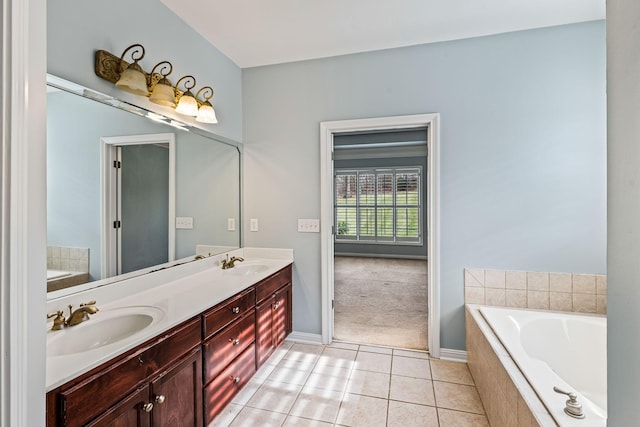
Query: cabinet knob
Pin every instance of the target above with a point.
(236, 341)
(147, 407)
(160, 399)
(236, 380)
(236, 310)
(276, 305)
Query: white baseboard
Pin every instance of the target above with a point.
(454, 355)
(305, 338)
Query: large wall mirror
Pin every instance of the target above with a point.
(130, 191)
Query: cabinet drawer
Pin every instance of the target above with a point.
(227, 312)
(97, 392)
(268, 286)
(226, 385)
(227, 345)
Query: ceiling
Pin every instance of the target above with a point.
(263, 32)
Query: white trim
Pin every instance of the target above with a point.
(327, 129)
(305, 338)
(108, 145)
(23, 213)
(453, 355)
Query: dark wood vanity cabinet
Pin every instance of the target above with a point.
(228, 350)
(173, 398)
(273, 313)
(187, 375)
(114, 393)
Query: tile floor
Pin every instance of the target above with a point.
(345, 384)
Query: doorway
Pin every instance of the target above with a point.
(329, 229)
(138, 202)
(380, 270)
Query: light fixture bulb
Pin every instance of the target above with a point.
(206, 113)
(163, 94)
(187, 105)
(133, 80)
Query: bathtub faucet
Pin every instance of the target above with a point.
(573, 408)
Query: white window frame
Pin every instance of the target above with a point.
(358, 238)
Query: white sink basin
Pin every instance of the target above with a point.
(241, 269)
(103, 328)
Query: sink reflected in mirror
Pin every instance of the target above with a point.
(104, 328)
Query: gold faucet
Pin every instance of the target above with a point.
(81, 314)
(59, 321)
(230, 263)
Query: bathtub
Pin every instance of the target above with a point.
(558, 349)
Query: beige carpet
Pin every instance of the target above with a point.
(381, 301)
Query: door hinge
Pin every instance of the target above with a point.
(332, 304)
(333, 230)
(117, 164)
(116, 224)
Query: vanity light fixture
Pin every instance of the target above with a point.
(206, 113)
(187, 103)
(163, 93)
(132, 78)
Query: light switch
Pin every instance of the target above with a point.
(185, 222)
(308, 226)
(231, 224)
(253, 224)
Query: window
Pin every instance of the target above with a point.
(378, 205)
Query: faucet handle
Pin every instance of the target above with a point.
(573, 408)
(59, 320)
(88, 303)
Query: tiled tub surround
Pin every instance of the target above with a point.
(583, 293)
(67, 267)
(509, 400)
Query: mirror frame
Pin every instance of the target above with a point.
(79, 90)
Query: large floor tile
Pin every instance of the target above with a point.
(337, 357)
(410, 367)
(304, 422)
(376, 349)
(337, 382)
(375, 384)
(402, 414)
(458, 397)
(452, 372)
(449, 418)
(252, 417)
(373, 362)
(275, 396)
(226, 417)
(290, 375)
(411, 353)
(304, 353)
(317, 404)
(362, 411)
(412, 390)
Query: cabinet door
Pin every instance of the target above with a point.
(130, 412)
(280, 308)
(265, 343)
(177, 394)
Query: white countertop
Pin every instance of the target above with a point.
(180, 293)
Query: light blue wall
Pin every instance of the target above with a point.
(523, 178)
(76, 29)
(623, 292)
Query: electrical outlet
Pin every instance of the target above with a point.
(184, 222)
(231, 224)
(253, 224)
(308, 226)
